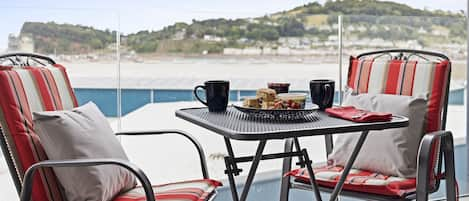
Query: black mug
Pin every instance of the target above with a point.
(322, 93)
(216, 93)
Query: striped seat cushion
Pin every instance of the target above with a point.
(358, 180)
(25, 90)
(195, 190)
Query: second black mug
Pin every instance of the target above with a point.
(322, 93)
(216, 93)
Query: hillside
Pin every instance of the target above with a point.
(313, 21)
(362, 7)
(50, 37)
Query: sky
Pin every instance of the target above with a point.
(132, 16)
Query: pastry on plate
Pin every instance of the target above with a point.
(266, 94)
(251, 102)
(267, 105)
(293, 100)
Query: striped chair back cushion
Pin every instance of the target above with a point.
(408, 78)
(25, 90)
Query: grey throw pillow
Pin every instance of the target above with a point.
(392, 151)
(84, 133)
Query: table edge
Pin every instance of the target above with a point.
(404, 122)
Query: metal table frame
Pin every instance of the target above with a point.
(214, 122)
(232, 169)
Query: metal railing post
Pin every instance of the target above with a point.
(119, 90)
(466, 87)
(339, 32)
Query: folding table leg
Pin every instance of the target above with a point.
(298, 148)
(285, 186)
(348, 166)
(312, 178)
(229, 148)
(253, 169)
(229, 172)
(329, 143)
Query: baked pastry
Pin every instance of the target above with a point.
(266, 95)
(251, 102)
(268, 105)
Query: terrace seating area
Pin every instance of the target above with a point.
(26, 123)
(234, 101)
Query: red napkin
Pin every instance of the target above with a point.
(356, 115)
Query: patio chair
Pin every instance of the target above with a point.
(434, 146)
(31, 82)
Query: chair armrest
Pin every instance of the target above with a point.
(203, 162)
(28, 177)
(425, 159)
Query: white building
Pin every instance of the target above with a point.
(422, 31)
(332, 38)
(232, 51)
(252, 51)
(362, 28)
(268, 51)
(283, 51)
(214, 38)
(350, 28)
(179, 35)
(440, 32)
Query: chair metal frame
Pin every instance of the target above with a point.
(24, 185)
(446, 148)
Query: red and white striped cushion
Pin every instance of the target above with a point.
(195, 190)
(30, 89)
(410, 78)
(358, 180)
(26, 90)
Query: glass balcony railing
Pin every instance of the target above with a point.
(139, 79)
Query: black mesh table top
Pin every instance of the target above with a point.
(237, 125)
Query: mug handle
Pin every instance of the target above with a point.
(197, 96)
(328, 96)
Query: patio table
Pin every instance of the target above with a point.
(235, 125)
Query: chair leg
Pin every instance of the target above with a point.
(423, 171)
(450, 176)
(424, 164)
(285, 186)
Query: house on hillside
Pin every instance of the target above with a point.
(411, 44)
(362, 28)
(422, 31)
(325, 28)
(379, 42)
(243, 40)
(350, 28)
(179, 35)
(440, 31)
(291, 42)
(232, 51)
(214, 38)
